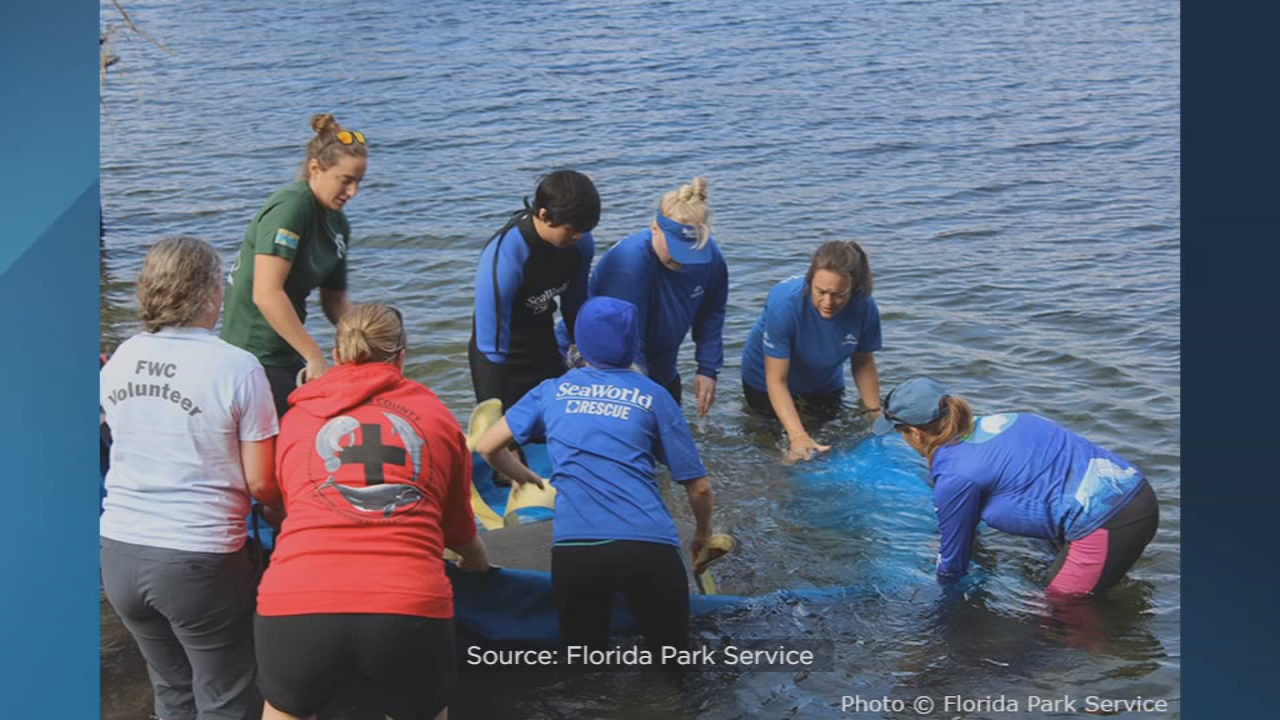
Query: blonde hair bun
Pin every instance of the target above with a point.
(324, 122)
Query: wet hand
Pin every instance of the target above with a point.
(804, 449)
(705, 387)
(695, 549)
(532, 479)
(473, 566)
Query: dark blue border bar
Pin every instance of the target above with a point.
(48, 417)
(1230, 231)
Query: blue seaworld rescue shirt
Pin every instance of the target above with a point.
(791, 327)
(1025, 475)
(606, 431)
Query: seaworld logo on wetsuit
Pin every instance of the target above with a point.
(540, 303)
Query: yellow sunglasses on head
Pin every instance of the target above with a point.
(347, 137)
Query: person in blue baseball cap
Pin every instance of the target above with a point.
(810, 327)
(1025, 475)
(607, 427)
(676, 276)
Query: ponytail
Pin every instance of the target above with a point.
(955, 424)
(370, 333)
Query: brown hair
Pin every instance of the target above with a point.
(370, 333)
(324, 148)
(180, 276)
(688, 205)
(954, 425)
(845, 257)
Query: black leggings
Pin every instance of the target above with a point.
(408, 660)
(1097, 561)
(283, 380)
(649, 575)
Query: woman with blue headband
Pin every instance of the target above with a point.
(1025, 475)
(675, 275)
(810, 326)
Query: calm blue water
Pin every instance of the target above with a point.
(1011, 167)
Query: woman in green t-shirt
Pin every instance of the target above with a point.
(296, 243)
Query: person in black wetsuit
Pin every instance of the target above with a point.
(543, 252)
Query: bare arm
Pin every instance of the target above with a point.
(259, 460)
(867, 378)
(775, 374)
(334, 303)
(493, 448)
(702, 501)
(474, 555)
(269, 274)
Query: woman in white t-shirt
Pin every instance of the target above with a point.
(193, 427)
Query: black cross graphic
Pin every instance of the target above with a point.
(372, 454)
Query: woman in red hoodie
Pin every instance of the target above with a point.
(375, 476)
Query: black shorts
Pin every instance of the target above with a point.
(822, 407)
(510, 381)
(406, 660)
(649, 575)
(283, 380)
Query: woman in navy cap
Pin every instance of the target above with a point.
(1025, 475)
(675, 275)
(810, 326)
(607, 427)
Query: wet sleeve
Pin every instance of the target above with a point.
(675, 447)
(958, 502)
(779, 327)
(280, 228)
(255, 408)
(525, 417)
(575, 295)
(459, 522)
(622, 276)
(869, 333)
(708, 326)
(498, 279)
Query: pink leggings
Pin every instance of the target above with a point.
(1095, 562)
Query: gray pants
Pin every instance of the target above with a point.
(192, 617)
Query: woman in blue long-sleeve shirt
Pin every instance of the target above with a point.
(1025, 475)
(675, 275)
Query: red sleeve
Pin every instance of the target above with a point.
(459, 522)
